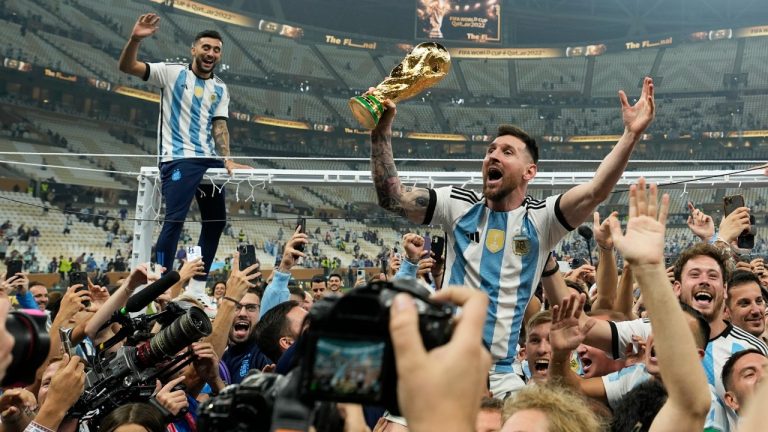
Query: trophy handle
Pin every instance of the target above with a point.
(367, 110)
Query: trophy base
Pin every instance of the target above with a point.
(367, 110)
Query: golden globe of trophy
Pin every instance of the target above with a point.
(423, 67)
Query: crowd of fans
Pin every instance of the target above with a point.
(587, 351)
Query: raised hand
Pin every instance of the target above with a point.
(734, 224)
(701, 224)
(291, 254)
(602, 231)
(72, 303)
(643, 242)
(566, 334)
(145, 26)
(193, 268)
(637, 117)
(239, 281)
(413, 246)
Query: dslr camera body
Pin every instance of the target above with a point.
(344, 355)
(346, 352)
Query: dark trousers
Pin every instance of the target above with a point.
(180, 183)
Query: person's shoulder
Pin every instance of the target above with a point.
(218, 80)
(532, 204)
(749, 339)
(460, 194)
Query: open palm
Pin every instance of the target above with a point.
(145, 26)
(637, 117)
(643, 243)
(565, 333)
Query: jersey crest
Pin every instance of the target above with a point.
(494, 241)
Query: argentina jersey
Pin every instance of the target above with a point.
(188, 107)
(501, 253)
(719, 349)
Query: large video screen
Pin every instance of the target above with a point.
(459, 20)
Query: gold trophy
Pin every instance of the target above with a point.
(423, 67)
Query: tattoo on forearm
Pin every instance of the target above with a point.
(221, 137)
(392, 195)
(384, 172)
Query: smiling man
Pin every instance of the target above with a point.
(499, 242)
(745, 303)
(192, 137)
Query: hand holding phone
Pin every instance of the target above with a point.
(302, 224)
(194, 252)
(80, 278)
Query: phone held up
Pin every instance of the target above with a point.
(745, 240)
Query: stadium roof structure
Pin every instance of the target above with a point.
(525, 22)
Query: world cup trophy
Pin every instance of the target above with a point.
(423, 67)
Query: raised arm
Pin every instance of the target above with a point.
(625, 300)
(679, 363)
(607, 272)
(599, 336)
(580, 201)
(145, 26)
(569, 326)
(407, 201)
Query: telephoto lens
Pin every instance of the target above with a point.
(30, 349)
(184, 331)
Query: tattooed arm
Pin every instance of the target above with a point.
(221, 138)
(407, 201)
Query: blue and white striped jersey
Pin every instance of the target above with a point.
(502, 253)
(188, 107)
(719, 349)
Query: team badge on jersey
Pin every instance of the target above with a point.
(198, 92)
(213, 97)
(494, 241)
(522, 244)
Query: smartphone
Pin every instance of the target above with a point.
(194, 252)
(577, 262)
(302, 224)
(731, 203)
(247, 257)
(438, 245)
(80, 277)
(361, 274)
(14, 267)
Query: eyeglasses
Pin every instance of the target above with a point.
(250, 307)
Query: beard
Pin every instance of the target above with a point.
(201, 66)
(498, 192)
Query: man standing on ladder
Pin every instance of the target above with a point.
(194, 108)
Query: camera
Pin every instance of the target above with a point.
(346, 353)
(129, 374)
(30, 349)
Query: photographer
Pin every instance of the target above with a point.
(65, 388)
